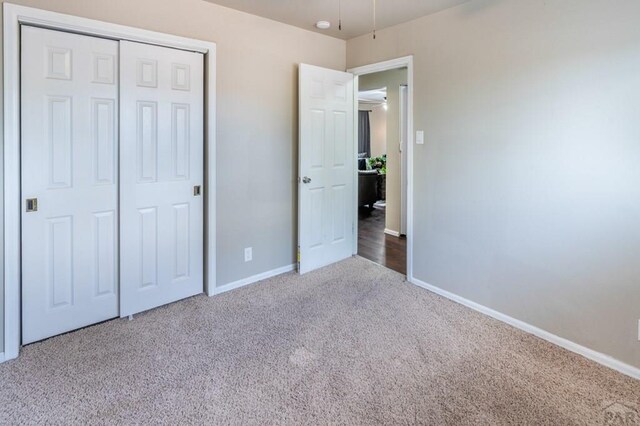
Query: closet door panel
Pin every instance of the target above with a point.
(69, 163)
(161, 167)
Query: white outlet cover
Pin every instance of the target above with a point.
(420, 137)
(248, 254)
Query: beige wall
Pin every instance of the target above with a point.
(257, 117)
(392, 80)
(527, 194)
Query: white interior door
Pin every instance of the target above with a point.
(161, 173)
(69, 102)
(327, 160)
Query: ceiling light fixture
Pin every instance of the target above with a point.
(323, 25)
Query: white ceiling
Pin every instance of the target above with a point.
(357, 15)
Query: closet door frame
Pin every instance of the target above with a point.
(14, 17)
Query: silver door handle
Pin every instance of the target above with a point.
(306, 179)
(32, 205)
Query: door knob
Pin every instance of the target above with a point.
(306, 179)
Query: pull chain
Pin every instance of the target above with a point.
(374, 19)
(339, 15)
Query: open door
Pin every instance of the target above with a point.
(326, 197)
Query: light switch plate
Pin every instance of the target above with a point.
(420, 137)
(248, 254)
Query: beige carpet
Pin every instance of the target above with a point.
(351, 343)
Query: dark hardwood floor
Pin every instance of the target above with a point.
(375, 245)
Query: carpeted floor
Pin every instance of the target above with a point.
(351, 343)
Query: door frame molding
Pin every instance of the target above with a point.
(14, 17)
(406, 61)
(404, 156)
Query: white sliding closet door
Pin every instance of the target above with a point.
(69, 102)
(161, 173)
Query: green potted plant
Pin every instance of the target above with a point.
(380, 164)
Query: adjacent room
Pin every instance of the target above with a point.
(320, 212)
(382, 167)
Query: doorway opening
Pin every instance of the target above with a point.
(328, 177)
(384, 152)
(382, 126)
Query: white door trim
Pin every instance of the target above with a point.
(404, 102)
(14, 17)
(406, 61)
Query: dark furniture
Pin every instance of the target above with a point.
(382, 187)
(367, 188)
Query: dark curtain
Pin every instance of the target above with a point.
(364, 133)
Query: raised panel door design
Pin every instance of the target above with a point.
(317, 138)
(182, 240)
(58, 62)
(340, 91)
(180, 123)
(69, 163)
(161, 218)
(104, 69)
(180, 77)
(59, 259)
(317, 87)
(148, 243)
(339, 219)
(327, 157)
(317, 206)
(147, 141)
(104, 258)
(59, 123)
(104, 140)
(147, 73)
(339, 138)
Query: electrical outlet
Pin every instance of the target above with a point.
(420, 137)
(248, 254)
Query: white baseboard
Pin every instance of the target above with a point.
(253, 279)
(598, 357)
(390, 232)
